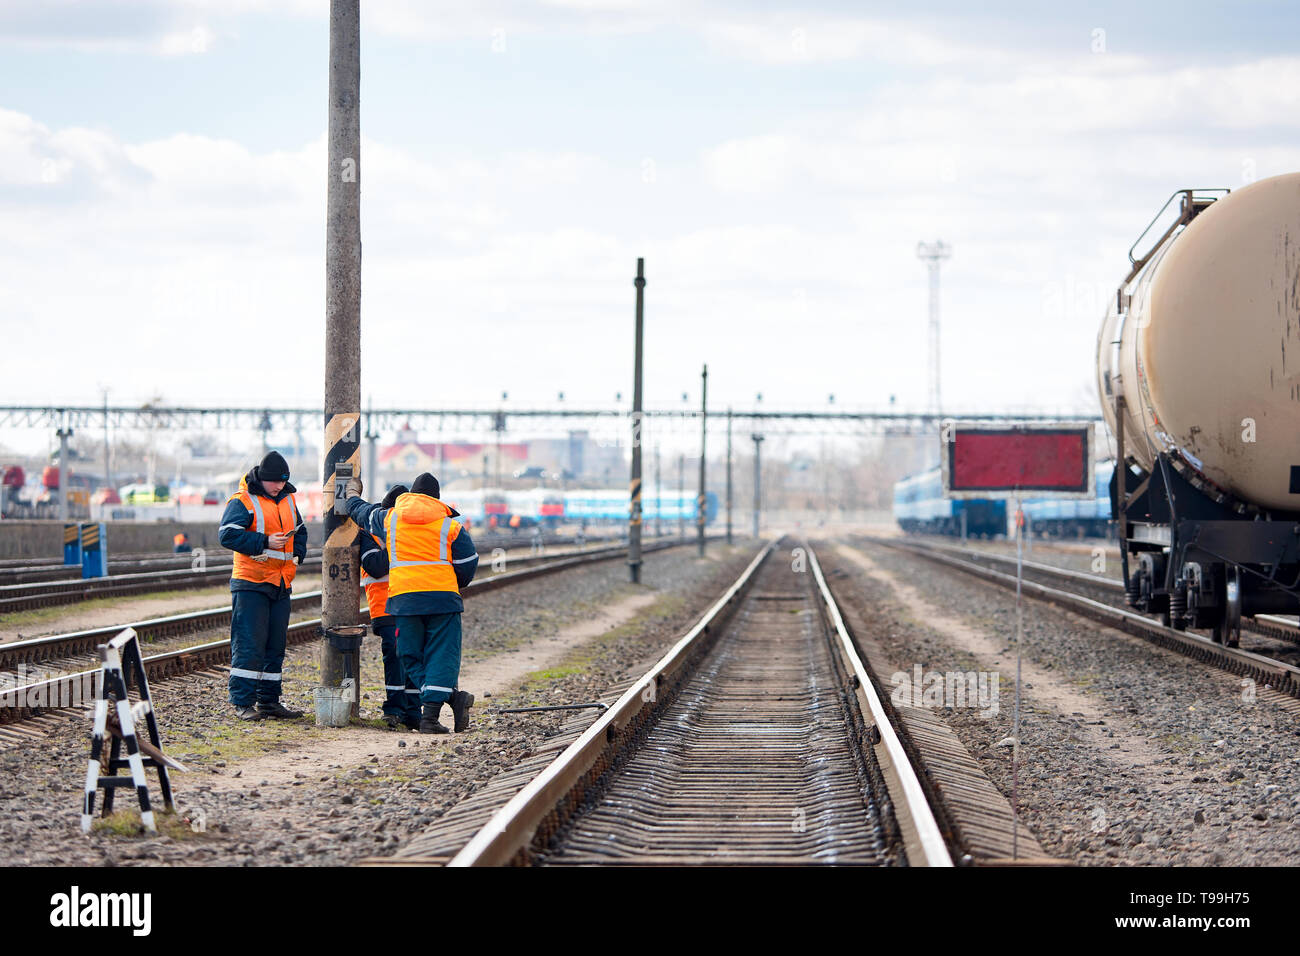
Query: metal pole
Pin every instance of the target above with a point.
(341, 594)
(681, 495)
(658, 506)
(704, 432)
(933, 253)
(372, 451)
(634, 515)
(64, 434)
(758, 479)
(108, 468)
(728, 476)
(499, 425)
(485, 461)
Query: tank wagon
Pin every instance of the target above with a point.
(1198, 371)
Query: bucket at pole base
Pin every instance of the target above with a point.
(334, 704)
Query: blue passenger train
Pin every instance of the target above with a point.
(919, 506)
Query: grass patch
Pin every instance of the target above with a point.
(555, 673)
(126, 823)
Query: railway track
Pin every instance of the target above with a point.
(759, 738)
(61, 659)
(1261, 668)
(32, 573)
(173, 574)
(27, 597)
(1111, 590)
(36, 570)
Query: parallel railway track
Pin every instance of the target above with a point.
(61, 659)
(166, 574)
(1261, 668)
(1111, 590)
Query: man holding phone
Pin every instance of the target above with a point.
(262, 526)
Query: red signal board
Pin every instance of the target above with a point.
(1002, 460)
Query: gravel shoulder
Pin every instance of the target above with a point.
(1130, 754)
(286, 792)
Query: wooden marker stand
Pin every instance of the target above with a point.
(118, 718)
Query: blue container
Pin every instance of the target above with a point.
(94, 550)
(71, 544)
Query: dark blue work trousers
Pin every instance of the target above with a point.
(401, 695)
(429, 646)
(259, 633)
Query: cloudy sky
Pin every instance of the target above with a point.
(162, 189)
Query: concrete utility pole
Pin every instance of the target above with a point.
(634, 515)
(932, 253)
(728, 476)
(758, 479)
(341, 596)
(704, 433)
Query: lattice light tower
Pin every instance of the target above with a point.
(933, 253)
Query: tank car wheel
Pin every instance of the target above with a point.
(1227, 630)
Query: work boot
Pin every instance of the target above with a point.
(277, 709)
(429, 723)
(393, 721)
(248, 713)
(461, 702)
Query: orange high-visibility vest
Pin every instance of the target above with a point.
(420, 531)
(269, 517)
(376, 588)
(178, 539)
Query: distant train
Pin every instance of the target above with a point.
(919, 506)
(527, 509)
(1074, 517)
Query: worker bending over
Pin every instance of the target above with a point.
(402, 696)
(264, 529)
(430, 558)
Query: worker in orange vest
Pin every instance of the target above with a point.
(262, 526)
(402, 696)
(181, 543)
(430, 558)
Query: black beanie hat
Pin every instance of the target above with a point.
(273, 468)
(394, 492)
(425, 484)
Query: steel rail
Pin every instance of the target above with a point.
(923, 838)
